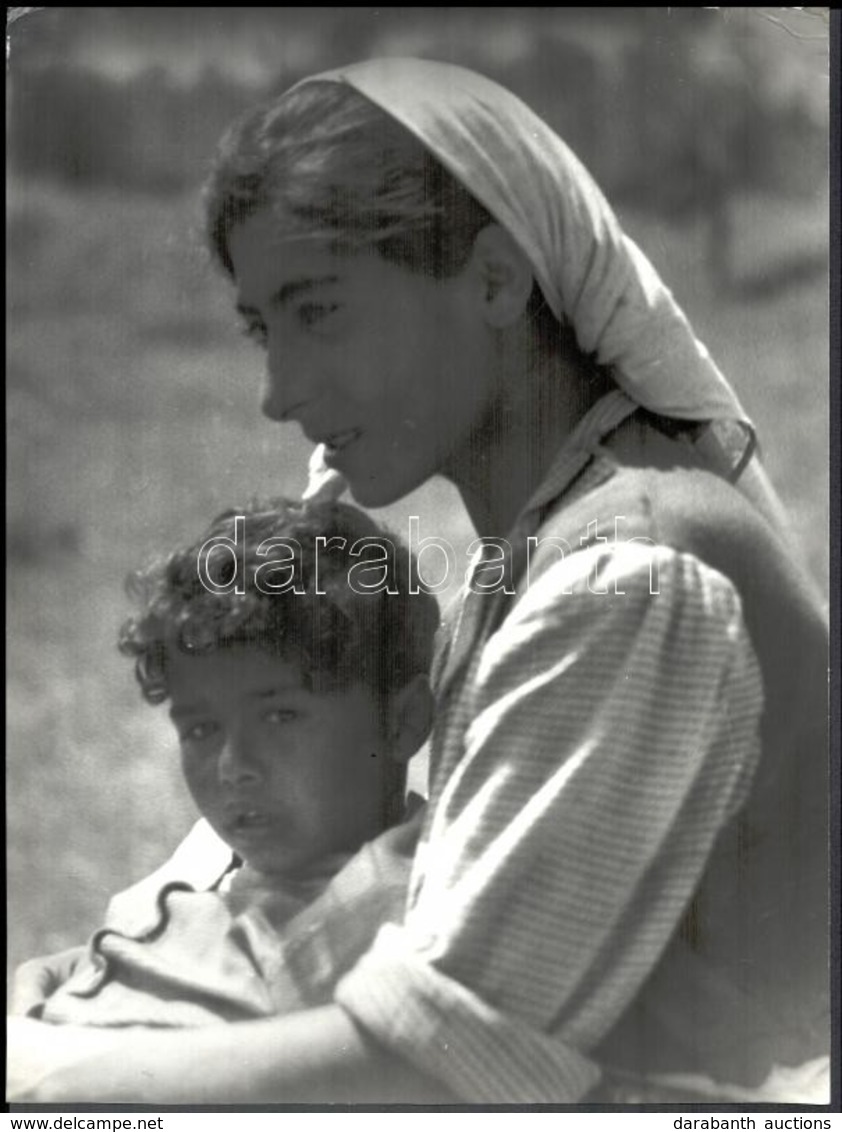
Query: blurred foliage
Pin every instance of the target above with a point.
(147, 133)
(719, 98)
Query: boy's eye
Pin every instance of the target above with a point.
(311, 314)
(197, 732)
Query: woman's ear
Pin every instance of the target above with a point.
(410, 718)
(504, 274)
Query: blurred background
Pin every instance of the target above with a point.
(132, 399)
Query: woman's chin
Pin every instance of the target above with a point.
(377, 492)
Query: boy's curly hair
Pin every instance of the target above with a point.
(339, 634)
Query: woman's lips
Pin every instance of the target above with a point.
(337, 442)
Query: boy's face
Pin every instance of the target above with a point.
(284, 775)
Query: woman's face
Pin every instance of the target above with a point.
(391, 370)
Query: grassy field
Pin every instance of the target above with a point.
(133, 417)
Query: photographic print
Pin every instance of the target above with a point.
(418, 557)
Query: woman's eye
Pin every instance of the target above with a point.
(311, 314)
(197, 732)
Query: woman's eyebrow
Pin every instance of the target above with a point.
(291, 290)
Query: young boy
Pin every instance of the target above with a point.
(298, 688)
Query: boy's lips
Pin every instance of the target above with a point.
(244, 818)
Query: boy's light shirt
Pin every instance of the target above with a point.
(245, 888)
(200, 942)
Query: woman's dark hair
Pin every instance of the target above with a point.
(339, 633)
(326, 161)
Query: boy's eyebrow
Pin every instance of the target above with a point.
(276, 690)
(267, 693)
(291, 290)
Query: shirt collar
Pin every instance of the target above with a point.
(601, 419)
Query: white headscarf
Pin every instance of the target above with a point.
(589, 271)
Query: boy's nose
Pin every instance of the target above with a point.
(237, 761)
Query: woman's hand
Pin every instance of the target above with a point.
(37, 979)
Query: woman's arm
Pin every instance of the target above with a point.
(607, 736)
(315, 1057)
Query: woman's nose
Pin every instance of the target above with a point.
(289, 386)
(275, 405)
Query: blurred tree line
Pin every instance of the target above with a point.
(673, 110)
(148, 133)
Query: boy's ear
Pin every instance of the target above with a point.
(504, 274)
(410, 718)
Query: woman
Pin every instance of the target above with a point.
(620, 892)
